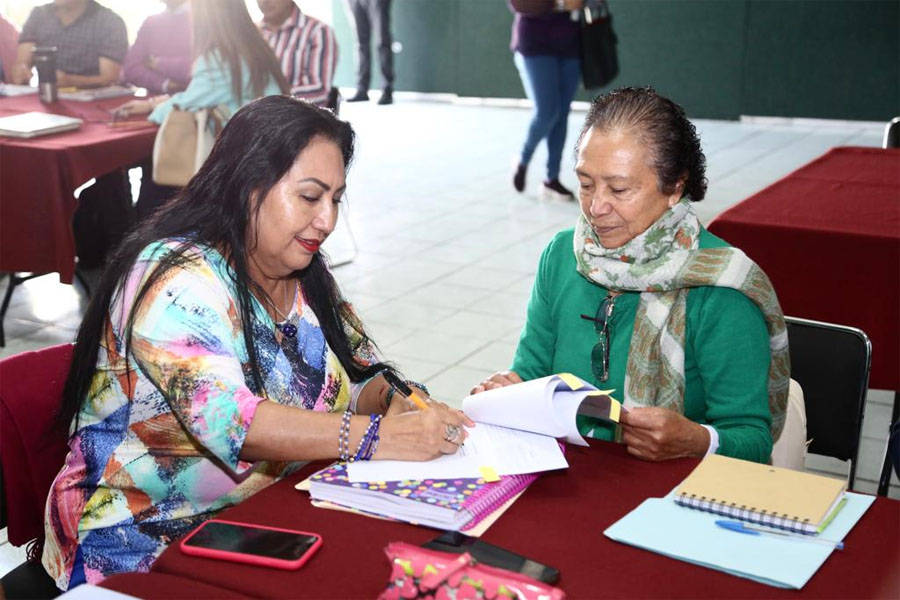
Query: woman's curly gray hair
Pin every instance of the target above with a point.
(660, 124)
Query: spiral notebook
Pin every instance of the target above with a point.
(772, 496)
(453, 504)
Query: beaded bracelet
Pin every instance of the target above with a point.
(416, 384)
(369, 441)
(344, 436)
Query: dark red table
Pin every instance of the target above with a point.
(160, 586)
(828, 235)
(559, 521)
(38, 178)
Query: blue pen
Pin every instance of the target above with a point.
(751, 530)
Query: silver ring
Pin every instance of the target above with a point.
(450, 432)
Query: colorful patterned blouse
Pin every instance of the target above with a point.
(158, 444)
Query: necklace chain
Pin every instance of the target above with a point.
(286, 301)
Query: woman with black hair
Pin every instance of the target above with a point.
(640, 298)
(217, 348)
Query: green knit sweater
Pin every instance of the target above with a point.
(726, 349)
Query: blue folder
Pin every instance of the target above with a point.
(662, 526)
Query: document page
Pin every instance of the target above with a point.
(505, 451)
(547, 406)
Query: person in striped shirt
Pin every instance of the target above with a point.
(305, 47)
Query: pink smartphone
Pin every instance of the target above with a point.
(252, 544)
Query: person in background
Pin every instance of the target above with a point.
(640, 298)
(305, 47)
(160, 59)
(545, 43)
(9, 39)
(92, 42)
(368, 15)
(233, 65)
(218, 349)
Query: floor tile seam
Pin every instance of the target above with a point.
(413, 275)
(736, 142)
(458, 362)
(787, 148)
(748, 165)
(438, 374)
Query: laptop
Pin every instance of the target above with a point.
(33, 124)
(10, 89)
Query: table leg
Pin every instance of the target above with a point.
(14, 280)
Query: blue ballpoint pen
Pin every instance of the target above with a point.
(750, 530)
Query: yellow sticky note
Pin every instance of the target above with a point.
(570, 380)
(489, 474)
(601, 392)
(615, 409)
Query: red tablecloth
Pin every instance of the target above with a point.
(828, 235)
(160, 586)
(38, 178)
(558, 521)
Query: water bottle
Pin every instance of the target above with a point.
(44, 59)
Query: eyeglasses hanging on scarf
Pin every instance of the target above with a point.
(600, 352)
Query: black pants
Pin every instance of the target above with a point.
(369, 15)
(152, 195)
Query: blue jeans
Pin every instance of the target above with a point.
(550, 82)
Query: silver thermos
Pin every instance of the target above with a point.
(44, 59)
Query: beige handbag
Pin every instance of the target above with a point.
(183, 142)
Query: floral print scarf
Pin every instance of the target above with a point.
(663, 263)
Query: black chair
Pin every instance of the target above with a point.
(831, 363)
(892, 134)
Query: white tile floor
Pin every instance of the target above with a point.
(447, 250)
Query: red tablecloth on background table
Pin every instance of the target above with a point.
(828, 235)
(38, 178)
(558, 521)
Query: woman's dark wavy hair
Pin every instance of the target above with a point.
(661, 124)
(254, 151)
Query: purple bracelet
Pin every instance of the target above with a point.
(369, 441)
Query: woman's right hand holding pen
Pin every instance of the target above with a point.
(421, 434)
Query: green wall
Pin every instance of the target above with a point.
(718, 58)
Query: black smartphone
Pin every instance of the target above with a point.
(252, 544)
(489, 554)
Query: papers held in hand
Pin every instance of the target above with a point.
(547, 406)
(516, 432)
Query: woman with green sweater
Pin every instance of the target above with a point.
(640, 298)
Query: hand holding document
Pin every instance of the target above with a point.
(517, 430)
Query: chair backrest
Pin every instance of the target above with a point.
(892, 134)
(333, 103)
(831, 363)
(31, 452)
